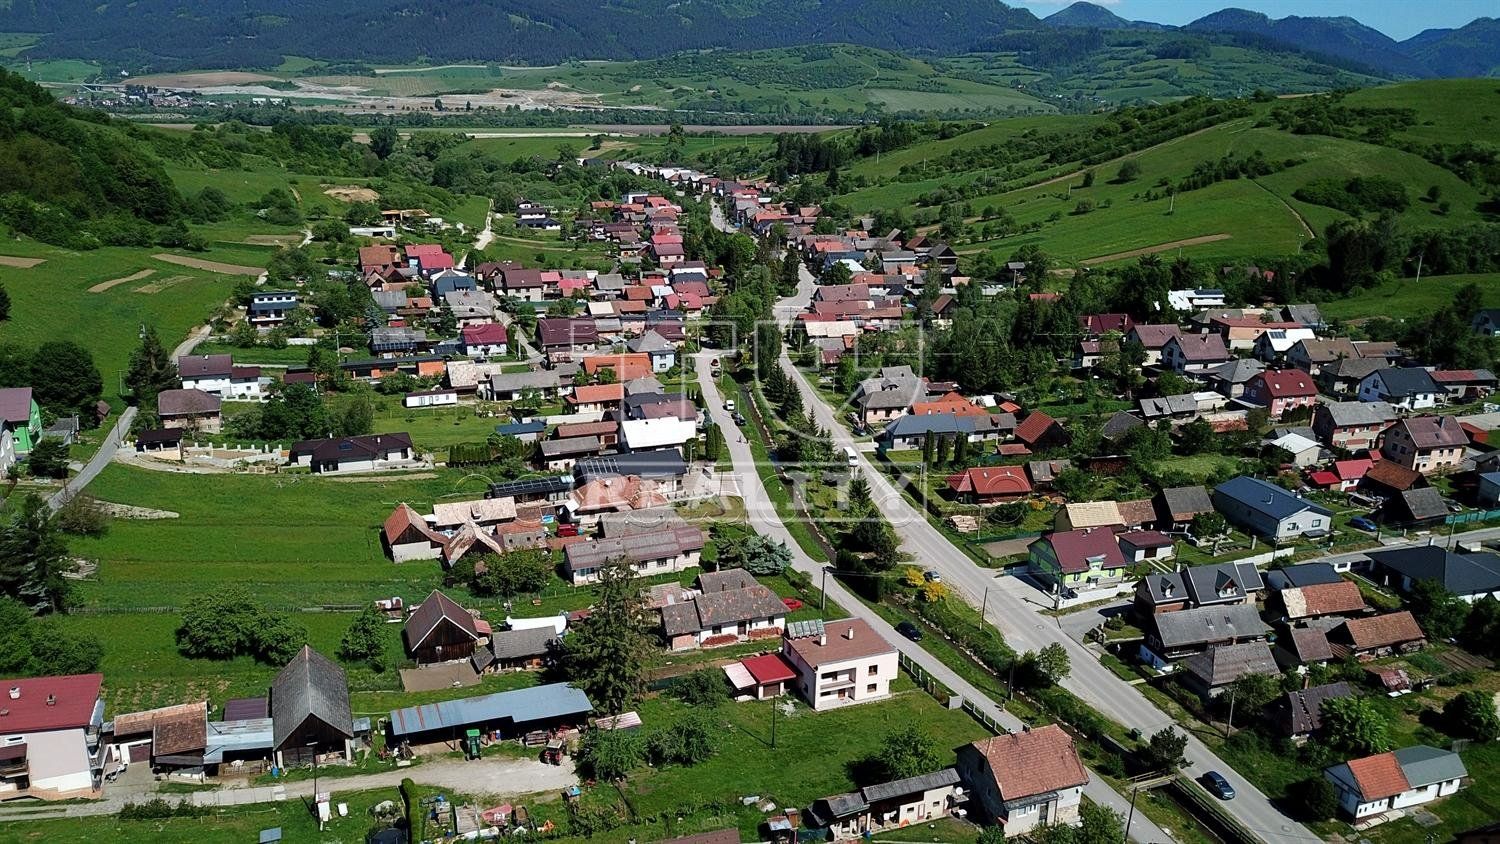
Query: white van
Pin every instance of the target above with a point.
(851, 456)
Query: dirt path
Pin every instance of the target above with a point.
(105, 285)
(19, 263)
(1160, 247)
(211, 266)
(1301, 220)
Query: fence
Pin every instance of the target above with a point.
(947, 697)
(1475, 516)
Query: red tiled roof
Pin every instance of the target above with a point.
(1033, 426)
(595, 393)
(1288, 383)
(991, 480)
(73, 705)
(492, 333)
(1383, 631)
(1033, 762)
(1378, 776)
(1074, 548)
(769, 668)
(1323, 599)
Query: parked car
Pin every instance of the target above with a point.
(910, 631)
(1362, 523)
(932, 577)
(739, 418)
(729, 405)
(1215, 782)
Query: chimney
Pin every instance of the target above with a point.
(822, 639)
(15, 692)
(51, 700)
(849, 634)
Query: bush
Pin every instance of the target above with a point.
(82, 516)
(702, 688)
(1315, 799)
(609, 754)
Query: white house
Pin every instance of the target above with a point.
(1401, 779)
(431, 398)
(217, 375)
(663, 352)
(1194, 300)
(650, 554)
(840, 663)
(269, 308)
(354, 454)
(1408, 388)
(1025, 780)
(730, 606)
(50, 744)
(656, 434)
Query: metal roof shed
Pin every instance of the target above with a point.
(552, 702)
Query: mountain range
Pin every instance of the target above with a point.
(1470, 50)
(160, 35)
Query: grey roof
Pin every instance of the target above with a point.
(237, 736)
(310, 686)
(1462, 574)
(1355, 369)
(910, 785)
(609, 281)
(1222, 581)
(518, 644)
(570, 446)
(1120, 424)
(646, 464)
(1227, 663)
(541, 379)
(677, 619)
(1419, 504)
(733, 605)
(1406, 381)
(539, 703)
(948, 423)
(1206, 625)
(390, 300)
(1308, 315)
(631, 522)
(1424, 765)
(1347, 413)
(646, 385)
(186, 402)
(649, 342)
(1302, 574)
(825, 810)
(1266, 498)
(1310, 644)
(1303, 707)
(1237, 371)
(637, 548)
(1169, 405)
(1186, 501)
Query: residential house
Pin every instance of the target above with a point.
(1299, 715)
(407, 536)
(269, 308)
(1320, 600)
(50, 746)
(1343, 376)
(1210, 673)
(396, 341)
(566, 338)
(730, 607)
(1268, 511)
(1387, 477)
(1375, 636)
(1415, 508)
(1282, 391)
(1468, 576)
(365, 453)
(20, 424)
(1427, 444)
(1352, 425)
(1229, 379)
(1040, 432)
(990, 484)
(484, 340)
(1098, 325)
(310, 711)
(648, 554)
(1487, 492)
(1025, 780)
(888, 395)
(911, 431)
(1303, 646)
(1143, 546)
(167, 738)
(1486, 321)
(1177, 506)
(1385, 782)
(1187, 353)
(218, 375)
(657, 434)
(1153, 338)
(661, 352)
(190, 410)
(1273, 345)
(887, 805)
(1215, 584)
(1312, 355)
(595, 398)
(1177, 634)
(510, 386)
(1408, 388)
(840, 663)
(1242, 332)
(1465, 385)
(1077, 560)
(439, 630)
(526, 285)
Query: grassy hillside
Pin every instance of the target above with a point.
(1231, 218)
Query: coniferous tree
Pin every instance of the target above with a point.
(151, 369)
(607, 653)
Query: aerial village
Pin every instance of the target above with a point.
(1287, 569)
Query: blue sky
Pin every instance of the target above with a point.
(1399, 19)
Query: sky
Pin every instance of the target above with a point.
(1400, 19)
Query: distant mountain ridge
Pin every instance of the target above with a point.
(164, 35)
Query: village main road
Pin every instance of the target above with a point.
(767, 522)
(1025, 629)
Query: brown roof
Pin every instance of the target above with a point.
(587, 429)
(844, 640)
(1033, 426)
(1322, 599)
(1378, 776)
(404, 519)
(431, 612)
(1382, 631)
(1033, 762)
(186, 403)
(1390, 474)
(1434, 431)
(1137, 512)
(597, 393)
(139, 723)
(180, 733)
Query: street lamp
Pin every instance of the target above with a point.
(313, 746)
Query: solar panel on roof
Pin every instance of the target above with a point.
(803, 629)
(528, 486)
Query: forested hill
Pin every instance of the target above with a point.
(75, 177)
(173, 34)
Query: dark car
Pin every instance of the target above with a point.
(739, 419)
(1215, 782)
(1362, 523)
(909, 630)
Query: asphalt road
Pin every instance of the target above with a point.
(764, 518)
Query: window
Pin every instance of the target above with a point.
(870, 688)
(874, 669)
(1317, 522)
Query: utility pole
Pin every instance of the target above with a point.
(1229, 725)
(823, 592)
(1134, 793)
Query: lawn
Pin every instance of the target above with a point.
(51, 301)
(1197, 467)
(1406, 297)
